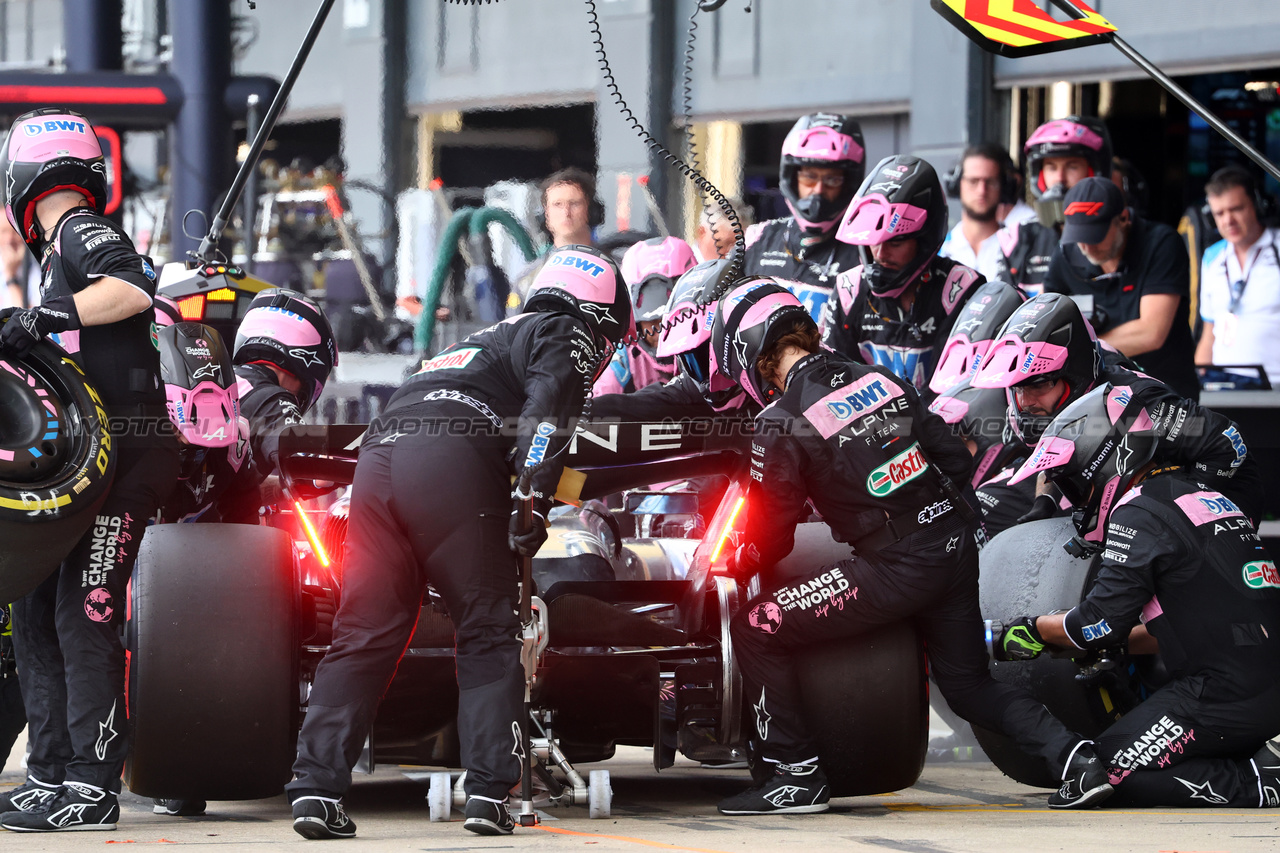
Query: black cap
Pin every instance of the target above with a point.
(1088, 208)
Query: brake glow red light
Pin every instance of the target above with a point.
(728, 529)
(321, 554)
(192, 308)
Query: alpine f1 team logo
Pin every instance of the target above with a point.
(897, 472)
(1261, 574)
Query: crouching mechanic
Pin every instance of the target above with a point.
(97, 292)
(1185, 562)
(881, 474)
(1048, 356)
(430, 503)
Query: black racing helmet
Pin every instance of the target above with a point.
(285, 328)
(49, 150)
(982, 416)
(976, 327)
(1045, 339)
(1091, 452)
(749, 320)
(902, 197)
(821, 139)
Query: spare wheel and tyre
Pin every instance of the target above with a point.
(213, 669)
(56, 464)
(1025, 572)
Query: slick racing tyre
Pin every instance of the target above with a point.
(865, 697)
(867, 705)
(1024, 571)
(56, 464)
(213, 669)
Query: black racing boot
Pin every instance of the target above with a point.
(792, 789)
(1267, 762)
(317, 818)
(31, 796)
(1085, 782)
(486, 817)
(75, 807)
(179, 808)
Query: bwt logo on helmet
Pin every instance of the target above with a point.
(538, 447)
(897, 472)
(578, 262)
(36, 128)
(893, 222)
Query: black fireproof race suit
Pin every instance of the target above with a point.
(67, 632)
(857, 441)
(431, 503)
(1184, 560)
(1209, 444)
(774, 248)
(876, 330)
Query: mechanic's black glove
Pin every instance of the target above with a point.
(1019, 640)
(1044, 506)
(24, 327)
(526, 544)
(743, 563)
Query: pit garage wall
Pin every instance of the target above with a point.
(871, 58)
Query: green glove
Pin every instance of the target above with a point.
(1019, 640)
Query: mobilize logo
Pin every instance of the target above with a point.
(897, 472)
(1085, 208)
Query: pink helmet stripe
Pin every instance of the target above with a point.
(872, 220)
(1011, 360)
(822, 143)
(1063, 132)
(1051, 452)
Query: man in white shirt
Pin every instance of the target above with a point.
(1240, 279)
(985, 181)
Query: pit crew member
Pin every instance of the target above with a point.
(881, 470)
(431, 502)
(1184, 562)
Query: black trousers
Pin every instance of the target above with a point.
(1181, 748)
(930, 578)
(66, 632)
(423, 508)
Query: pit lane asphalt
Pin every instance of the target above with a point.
(954, 808)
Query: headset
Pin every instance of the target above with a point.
(1009, 183)
(1264, 204)
(585, 182)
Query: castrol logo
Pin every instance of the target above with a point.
(897, 472)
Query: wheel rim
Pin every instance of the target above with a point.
(36, 435)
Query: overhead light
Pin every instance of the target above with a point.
(1261, 86)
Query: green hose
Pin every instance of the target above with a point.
(485, 215)
(477, 219)
(426, 327)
